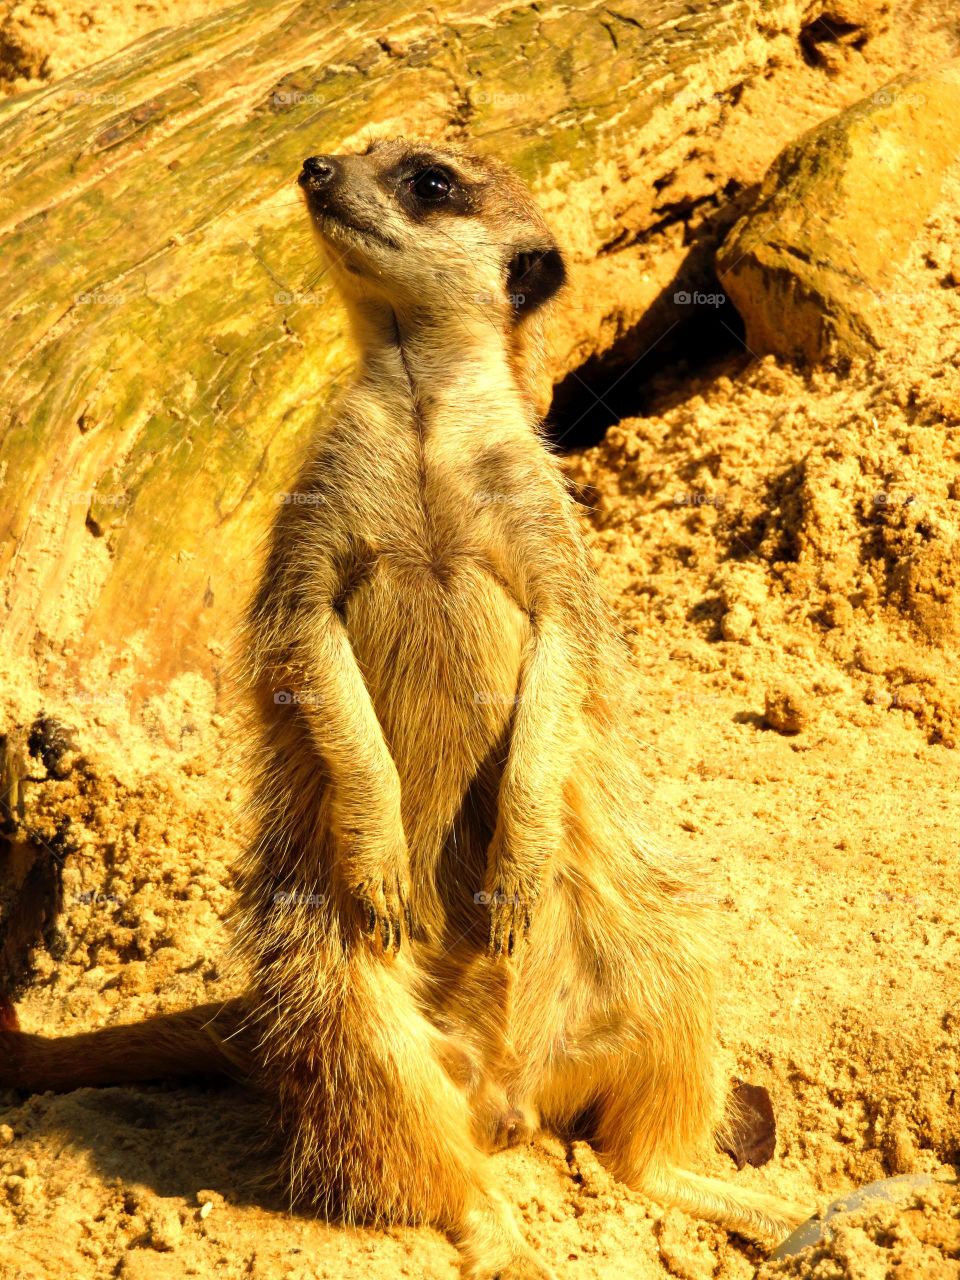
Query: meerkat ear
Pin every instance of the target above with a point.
(533, 277)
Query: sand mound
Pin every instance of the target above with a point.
(814, 516)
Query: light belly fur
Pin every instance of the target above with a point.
(443, 693)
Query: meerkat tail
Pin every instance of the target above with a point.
(209, 1039)
(752, 1213)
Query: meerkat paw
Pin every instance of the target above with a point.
(493, 1249)
(511, 906)
(525, 1266)
(386, 910)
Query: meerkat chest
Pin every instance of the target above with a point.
(437, 505)
(431, 513)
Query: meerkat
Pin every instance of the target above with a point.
(459, 930)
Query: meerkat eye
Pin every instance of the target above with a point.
(431, 185)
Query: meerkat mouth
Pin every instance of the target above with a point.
(334, 225)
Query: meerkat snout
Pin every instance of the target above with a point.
(425, 227)
(317, 172)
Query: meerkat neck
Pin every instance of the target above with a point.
(451, 368)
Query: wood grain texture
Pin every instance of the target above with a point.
(167, 340)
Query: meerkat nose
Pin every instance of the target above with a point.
(318, 171)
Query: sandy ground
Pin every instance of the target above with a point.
(782, 549)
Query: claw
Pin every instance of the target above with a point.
(385, 905)
(510, 915)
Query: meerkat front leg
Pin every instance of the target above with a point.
(373, 863)
(529, 814)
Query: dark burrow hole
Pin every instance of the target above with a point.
(825, 30)
(678, 339)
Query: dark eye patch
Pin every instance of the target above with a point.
(426, 187)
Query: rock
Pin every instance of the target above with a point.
(811, 267)
(736, 623)
(627, 171)
(751, 1127)
(786, 709)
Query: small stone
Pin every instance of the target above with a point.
(786, 709)
(838, 612)
(6, 1135)
(736, 623)
(135, 978)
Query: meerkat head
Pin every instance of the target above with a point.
(433, 232)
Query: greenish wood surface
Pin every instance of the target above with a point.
(166, 347)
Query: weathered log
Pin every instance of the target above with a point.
(168, 337)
